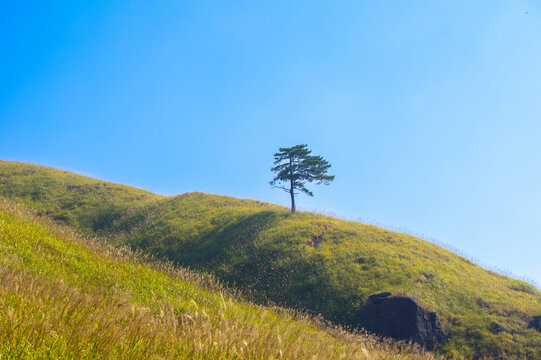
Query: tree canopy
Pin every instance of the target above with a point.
(294, 167)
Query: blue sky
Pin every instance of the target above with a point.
(429, 111)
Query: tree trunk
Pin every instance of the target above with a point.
(291, 187)
(292, 193)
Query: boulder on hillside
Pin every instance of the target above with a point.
(402, 318)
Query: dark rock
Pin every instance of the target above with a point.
(535, 323)
(378, 298)
(402, 318)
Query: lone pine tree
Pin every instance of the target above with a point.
(294, 167)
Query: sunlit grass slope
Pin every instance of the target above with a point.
(313, 262)
(68, 198)
(67, 297)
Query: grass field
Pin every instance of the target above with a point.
(302, 260)
(63, 296)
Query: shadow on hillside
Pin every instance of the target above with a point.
(227, 243)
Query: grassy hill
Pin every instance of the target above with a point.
(63, 296)
(68, 198)
(301, 260)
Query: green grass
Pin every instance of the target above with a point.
(63, 296)
(305, 261)
(67, 198)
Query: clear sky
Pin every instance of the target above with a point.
(429, 111)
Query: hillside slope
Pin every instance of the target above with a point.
(68, 297)
(304, 260)
(68, 198)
